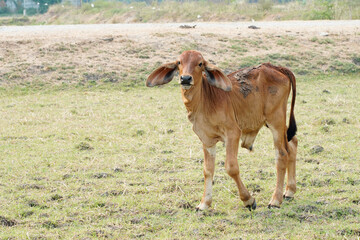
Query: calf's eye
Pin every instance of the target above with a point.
(200, 64)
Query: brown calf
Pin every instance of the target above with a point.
(230, 108)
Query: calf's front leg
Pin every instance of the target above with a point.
(209, 168)
(232, 168)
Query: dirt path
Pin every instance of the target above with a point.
(127, 52)
(68, 32)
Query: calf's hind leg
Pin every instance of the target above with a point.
(291, 169)
(278, 131)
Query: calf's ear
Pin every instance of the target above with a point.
(162, 75)
(217, 78)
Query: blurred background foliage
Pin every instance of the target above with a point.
(187, 10)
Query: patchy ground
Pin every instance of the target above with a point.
(127, 52)
(88, 152)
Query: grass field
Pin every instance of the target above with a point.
(124, 163)
(87, 152)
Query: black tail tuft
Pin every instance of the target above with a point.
(292, 128)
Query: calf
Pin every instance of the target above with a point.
(233, 107)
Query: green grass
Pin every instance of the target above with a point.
(16, 20)
(113, 161)
(188, 11)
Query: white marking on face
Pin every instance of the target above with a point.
(212, 151)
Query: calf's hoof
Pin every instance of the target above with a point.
(252, 206)
(289, 194)
(273, 206)
(201, 207)
(274, 203)
(288, 198)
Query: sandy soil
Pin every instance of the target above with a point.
(61, 53)
(71, 32)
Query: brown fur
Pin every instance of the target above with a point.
(234, 107)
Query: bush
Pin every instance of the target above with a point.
(266, 5)
(323, 10)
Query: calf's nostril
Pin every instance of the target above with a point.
(185, 79)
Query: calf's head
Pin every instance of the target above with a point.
(191, 65)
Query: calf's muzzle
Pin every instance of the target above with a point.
(185, 80)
